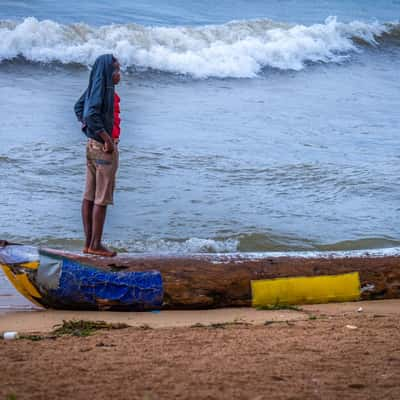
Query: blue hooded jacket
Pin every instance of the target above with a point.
(95, 108)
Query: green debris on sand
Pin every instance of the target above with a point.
(33, 338)
(278, 306)
(288, 323)
(198, 325)
(80, 328)
(145, 327)
(85, 328)
(220, 325)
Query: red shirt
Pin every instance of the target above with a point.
(117, 120)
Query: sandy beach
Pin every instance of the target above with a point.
(347, 351)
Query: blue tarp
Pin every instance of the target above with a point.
(84, 285)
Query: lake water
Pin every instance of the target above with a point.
(246, 126)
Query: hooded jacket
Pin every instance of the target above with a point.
(95, 108)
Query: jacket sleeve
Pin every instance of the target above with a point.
(93, 110)
(79, 105)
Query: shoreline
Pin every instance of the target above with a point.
(44, 320)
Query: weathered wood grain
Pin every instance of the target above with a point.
(216, 281)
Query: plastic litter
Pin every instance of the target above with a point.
(367, 288)
(10, 335)
(351, 327)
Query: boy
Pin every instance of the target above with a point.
(98, 111)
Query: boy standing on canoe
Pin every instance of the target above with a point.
(98, 111)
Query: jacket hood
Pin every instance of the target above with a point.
(96, 106)
(101, 74)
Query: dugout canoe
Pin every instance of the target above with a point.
(64, 280)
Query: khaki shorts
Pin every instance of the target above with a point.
(100, 173)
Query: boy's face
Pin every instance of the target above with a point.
(116, 76)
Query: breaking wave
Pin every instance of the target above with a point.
(188, 246)
(239, 49)
(250, 243)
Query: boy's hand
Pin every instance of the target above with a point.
(108, 146)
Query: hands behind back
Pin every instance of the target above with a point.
(108, 146)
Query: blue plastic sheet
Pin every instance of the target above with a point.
(89, 286)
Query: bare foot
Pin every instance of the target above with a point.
(101, 251)
(85, 250)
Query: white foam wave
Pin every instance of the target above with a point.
(189, 246)
(384, 252)
(237, 49)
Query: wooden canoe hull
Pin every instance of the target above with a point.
(212, 281)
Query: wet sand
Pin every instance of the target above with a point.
(44, 320)
(322, 352)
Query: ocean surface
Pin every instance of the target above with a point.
(247, 126)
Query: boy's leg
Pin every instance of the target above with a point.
(88, 198)
(87, 213)
(98, 219)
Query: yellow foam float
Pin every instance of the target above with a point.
(306, 290)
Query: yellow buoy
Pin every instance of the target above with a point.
(306, 290)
